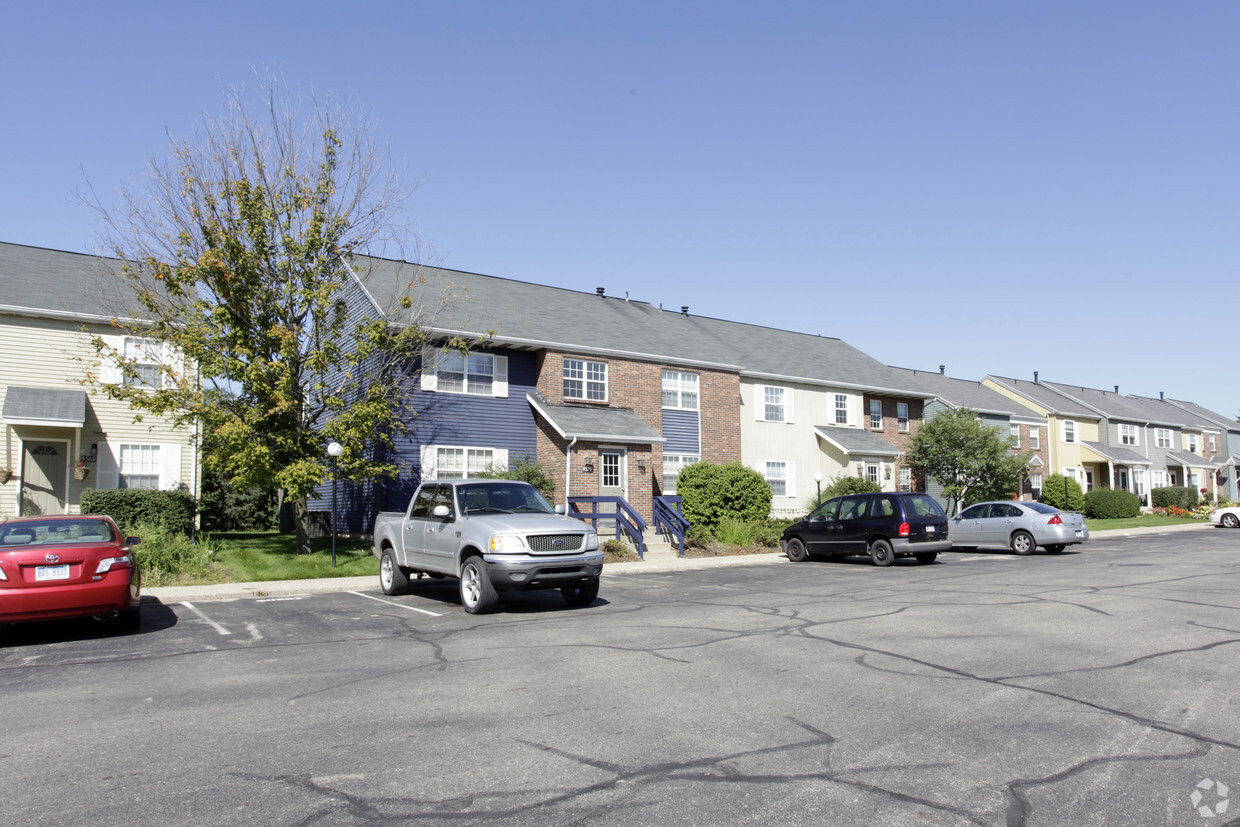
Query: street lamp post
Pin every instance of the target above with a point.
(334, 450)
(818, 485)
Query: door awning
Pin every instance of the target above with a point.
(596, 423)
(857, 442)
(45, 407)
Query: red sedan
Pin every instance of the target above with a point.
(67, 566)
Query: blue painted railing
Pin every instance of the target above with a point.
(669, 520)
(628, 522)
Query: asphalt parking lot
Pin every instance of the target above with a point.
(1099, 686)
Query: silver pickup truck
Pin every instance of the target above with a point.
(494, 535)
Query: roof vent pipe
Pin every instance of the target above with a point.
(1161, 397)
(600, 291)
(1117, 388)
(684, 310)
(1035, 377)
(942, 369)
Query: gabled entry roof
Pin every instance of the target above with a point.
(1114, 453)
(595, 423)
(855, 441)
(46, 407)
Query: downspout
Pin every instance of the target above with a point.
(568, 472)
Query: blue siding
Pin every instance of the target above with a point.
(682, 431)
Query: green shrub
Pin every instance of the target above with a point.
(130, 507)
(224, 507)
(166, 557)
(1180, 496)
(616, 547)
(841, 484)
(734, 532)
(698, 536)
(1063, 492)
(1111, 503)
(711, 493)
(767, 534)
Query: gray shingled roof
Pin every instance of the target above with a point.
(41, 281)
(45, 406)
(857, 441)
(595, 422)
(1218, 420)
(1193, 460)
(1046, 396)
(963, 393)
(537, 316)
(1115, 453)
(1139, 409)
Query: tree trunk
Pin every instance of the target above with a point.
(301, 525)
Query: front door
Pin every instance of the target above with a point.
(45, 477)
(612, 472)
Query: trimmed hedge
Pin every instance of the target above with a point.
(1063, 492)
(129, 507)
(711, 493)
(1177, 495)
(1111, 503)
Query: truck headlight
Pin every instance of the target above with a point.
(507, 543)
(591, 540)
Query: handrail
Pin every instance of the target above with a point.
(669, 519)
(628, 521)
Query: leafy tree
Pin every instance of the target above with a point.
(842, 484)
(237, 247)
(525, 470)
(971, 460)
(712, 493)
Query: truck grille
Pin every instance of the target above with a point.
(555, 542)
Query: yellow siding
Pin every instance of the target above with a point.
(43, 353)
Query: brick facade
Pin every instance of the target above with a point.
(890, 430)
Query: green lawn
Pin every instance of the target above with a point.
(249, 556)
(1142, 521)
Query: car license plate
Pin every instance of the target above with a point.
(930, 529)
(51, 573)
(1078, 532)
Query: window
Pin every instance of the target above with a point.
(776, 474)
(1138, 481)
(672, 466)
(1213, 447)
(143, 357)
(876, 414)
(1158, 478)
(1127, 434)
(1069, 431)
(585, 380)
(1014, 433)
(872, 473)
(1070, 473)
(1194, 481)
(139, 466)
(462, 463)
(1035, 481)
(1192, 443)
(1035, 437)
(680, 390)
(841, 409)
(473, 373)
(906, 479)
(902, 415)
(775, 404)
(1162, 437)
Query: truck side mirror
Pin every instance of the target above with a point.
(441, 512)
(560, 509)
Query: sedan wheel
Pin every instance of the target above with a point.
(881, 553)
(1022, 543)
(1231, 520)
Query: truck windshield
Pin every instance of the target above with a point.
(505, 497)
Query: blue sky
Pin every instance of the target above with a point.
(997, 187)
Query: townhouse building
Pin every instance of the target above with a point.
(1221, 436)
(62, 435)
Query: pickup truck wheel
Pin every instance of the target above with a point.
(580, 595)
(796, 551)
(477, 594)
(392, 579)
(1022, 543)
(881, 553)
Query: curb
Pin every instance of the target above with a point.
(296, 588)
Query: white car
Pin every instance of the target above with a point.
(1229, 517)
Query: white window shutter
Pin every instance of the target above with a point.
(175, 360)
(169, 466)
(499, 458)
(759, 404)
(788, 404)
(430, 457)
(499, 382)
(430, 376)
(106, 466)
(109, 368)
(790, 487)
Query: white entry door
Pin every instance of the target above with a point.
(613, 472)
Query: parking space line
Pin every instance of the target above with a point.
(397, 605)
(217, 627)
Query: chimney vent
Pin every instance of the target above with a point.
(684, 310)
(600, 291)
(1161, 397)
(942, 369)
(1035, 377)
(1117, 388)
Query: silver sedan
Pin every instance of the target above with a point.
(1022, 526)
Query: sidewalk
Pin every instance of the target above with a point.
(297, 588)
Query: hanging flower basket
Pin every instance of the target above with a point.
(80, 472)
(6, 474)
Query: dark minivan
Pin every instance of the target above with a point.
(884, 526)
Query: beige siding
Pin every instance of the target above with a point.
(42, 353)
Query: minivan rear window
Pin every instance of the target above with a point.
(924, 506)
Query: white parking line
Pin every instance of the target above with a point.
(217, 627)
(397, 605)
